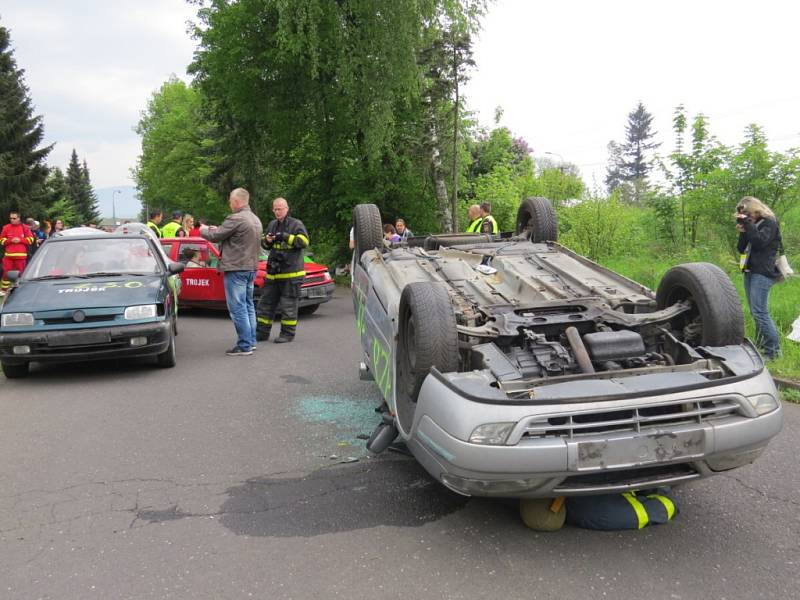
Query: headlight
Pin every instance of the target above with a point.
(491, 434)
(17, 319)
(763, 403)
(144, 311)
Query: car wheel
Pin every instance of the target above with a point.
(168, 358)
(716, 317)
(15, 371)
(537, 216)
(427, 338)
(308, 310)
(367, 228)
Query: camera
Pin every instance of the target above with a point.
(741, 219)
(275, 262)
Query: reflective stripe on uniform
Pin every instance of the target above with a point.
(286, 275)
(264, 320)
(16, 254)
(669, 505)
(641, 513)
(290, 240)
(303, 239)
(286, 322)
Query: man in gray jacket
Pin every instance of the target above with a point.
(240, 243)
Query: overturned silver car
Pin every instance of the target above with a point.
(513, 367)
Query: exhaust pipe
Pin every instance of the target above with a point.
(581, 355)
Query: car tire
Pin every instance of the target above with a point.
(716, 317)
(15, 371)
(367, 228)
(308, 310)
(168, 358)
(537, 216)
(427, 338)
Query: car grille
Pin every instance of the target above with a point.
(87, 319)
(640, 477)
(636, 419)
(86, 349)
(313, 279)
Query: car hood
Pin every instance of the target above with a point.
(61, 294)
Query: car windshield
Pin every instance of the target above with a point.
(93, 258)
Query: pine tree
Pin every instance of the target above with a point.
(22, 166)
(629, 161)
(80, 191)
(90, 208)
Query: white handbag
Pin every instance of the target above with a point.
(782, 264)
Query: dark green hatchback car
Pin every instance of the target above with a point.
(91, 297)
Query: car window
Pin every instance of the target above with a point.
(168, 248)
(81, 257)
(196, 256)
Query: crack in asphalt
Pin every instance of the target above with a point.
(761, 492)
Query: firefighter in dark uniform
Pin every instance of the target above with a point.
(285, 238)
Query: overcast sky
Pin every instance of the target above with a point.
(566, 73)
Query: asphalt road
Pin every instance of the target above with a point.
(246, 478)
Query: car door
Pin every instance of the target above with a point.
(201, 281)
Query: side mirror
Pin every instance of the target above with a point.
(12, 276)
(176, 267)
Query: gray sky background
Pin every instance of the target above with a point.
(566, 73)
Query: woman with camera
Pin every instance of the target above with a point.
(759, 240)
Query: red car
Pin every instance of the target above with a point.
(201, 282)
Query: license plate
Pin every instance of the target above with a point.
(78, 338)
(316, 292)
(640, 450)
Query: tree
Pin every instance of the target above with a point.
(180, 165)
(630, 161)
(323, 102)
(445, 62)
(22, 166)
(80, 192)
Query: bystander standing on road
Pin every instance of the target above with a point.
(488, 222)
(475, 220)
(759, 240)
(285, 238)
(38, 235)
(194, 231)
(390, 233)
(15, 238)
(403, 231)
(58, 227)
(154, 219)
(240, 243)
(175, 227)
(186, 225)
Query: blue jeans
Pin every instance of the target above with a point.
(239, 296)
(756, 288)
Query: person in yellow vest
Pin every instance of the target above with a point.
(154, 219)
(488, 224)
(175, 227)
(475, 220)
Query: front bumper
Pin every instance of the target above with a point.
(587, 463)
(96, 343)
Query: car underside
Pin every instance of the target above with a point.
(526, 342)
